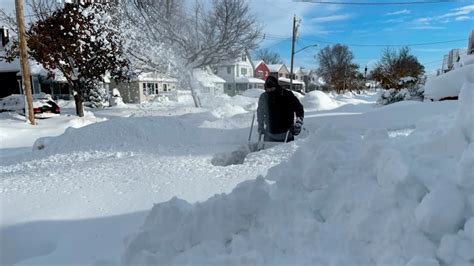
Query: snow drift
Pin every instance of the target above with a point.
(392, 204)
(449, 84)
(318, 101)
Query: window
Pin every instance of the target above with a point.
(243, 71)
(165, 87)
(260, 74)
(229, 70)
(150, 88)
(36, 85)
(244, 57)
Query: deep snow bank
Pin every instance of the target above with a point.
(449, 84)
(317, 101)
(342, 199)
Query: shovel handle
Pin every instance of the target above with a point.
(251, 126)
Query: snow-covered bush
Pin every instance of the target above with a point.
(414, 92)
(97, 96)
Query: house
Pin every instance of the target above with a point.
(261, 70)
(42, 81)
(210, 83)
(298, 85)
(238, 74)
(279, 71)
(147, 87)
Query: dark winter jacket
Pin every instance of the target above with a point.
(277, 110)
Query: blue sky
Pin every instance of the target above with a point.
(355, 25)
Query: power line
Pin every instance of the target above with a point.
(387, 45)
(375, 3)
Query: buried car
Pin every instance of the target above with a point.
(43, 105)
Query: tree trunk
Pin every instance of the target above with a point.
(192, 85)
(79, 99)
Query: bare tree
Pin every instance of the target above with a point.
(268, 56)
(336, 67)
(394, 66)
(39, 10)
(184, 39)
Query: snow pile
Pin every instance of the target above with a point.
(449, 84)
(317, 101)
(352, 200)
(252, 93)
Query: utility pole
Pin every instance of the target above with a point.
(293, 51)
(25, 69)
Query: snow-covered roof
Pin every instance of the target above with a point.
(288, 80)
(14, 66)
(156, 77)
(249, 80)
(206, 77)
(275, 67)
(257, 63)
(301, 71)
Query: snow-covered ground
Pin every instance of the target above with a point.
(135, 185)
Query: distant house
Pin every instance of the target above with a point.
(42, 81)
(298, 85)
(147, 87)
(279, 71)
(261, 70)
(238, 74)
(210, 83)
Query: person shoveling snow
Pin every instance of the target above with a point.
(276, 112)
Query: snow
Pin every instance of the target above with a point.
(287, 80)
(449, 84)
(135, 185)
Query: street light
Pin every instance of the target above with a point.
(292, 56)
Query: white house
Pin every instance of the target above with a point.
(238, 75)
(210, 83)
(147, 87)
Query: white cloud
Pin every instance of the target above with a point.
(461, 18)
(331, 18)
(277, 15)
(400, 12)
(397, 20)
(458, 14)
(465, 10)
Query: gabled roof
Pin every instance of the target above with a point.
(257, 63)
(206, 77)
(14, 66)
(301, 70)
(276, 67)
